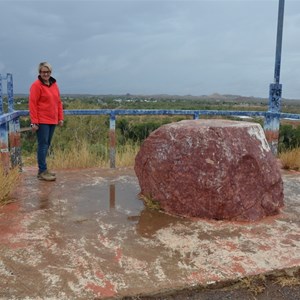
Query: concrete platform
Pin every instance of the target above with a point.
(88, 236)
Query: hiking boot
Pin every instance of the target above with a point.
(46, 176)
(51, 173)
(48, 172)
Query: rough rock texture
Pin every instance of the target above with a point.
(216, 169)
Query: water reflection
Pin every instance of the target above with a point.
(44, 192)
(124, 198)
(112, 197)
(150, 221)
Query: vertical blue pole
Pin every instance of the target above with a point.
(272, 121)
(196, 116)
(112, 140)
(10, 93)
(14, 136)
(279, 41)
(1, 99)
(4, 151)
(15, 143)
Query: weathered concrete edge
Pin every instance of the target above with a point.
(222, 284)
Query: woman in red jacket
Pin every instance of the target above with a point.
(46, 112)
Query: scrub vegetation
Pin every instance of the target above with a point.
(8, 182)
(83, 141)
(290, 159)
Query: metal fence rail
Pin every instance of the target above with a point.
(10, 129)
(10, 132)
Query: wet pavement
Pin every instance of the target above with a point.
(88, 236)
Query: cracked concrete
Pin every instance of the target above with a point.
(88, 235)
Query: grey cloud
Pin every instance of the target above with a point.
(176, 47)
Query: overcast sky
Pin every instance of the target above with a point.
(151, 47)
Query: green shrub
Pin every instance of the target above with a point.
(289, 137)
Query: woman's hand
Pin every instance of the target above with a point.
(61, 123)
(34, 127)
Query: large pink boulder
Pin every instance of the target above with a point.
(216, 169)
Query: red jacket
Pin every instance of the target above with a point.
(45, 105)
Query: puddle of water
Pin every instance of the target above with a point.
(78, 205)
(80, 201)
(83, 198)
(109, 197)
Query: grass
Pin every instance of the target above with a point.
(85, 156)
(255, 284)
(77, 156)
(8, 182)
(290, 159)
(150, 202)
(285, 278)
(125, 156)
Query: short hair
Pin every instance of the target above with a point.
(44, 64)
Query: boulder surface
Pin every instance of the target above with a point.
(215, 169)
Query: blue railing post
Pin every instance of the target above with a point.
(14, 127)
(10, 92)
(272, 120)
(10, 137)
(4, 149)
(112, 140)
(1, 99)
(15, 143)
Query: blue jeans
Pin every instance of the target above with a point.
(44, 137)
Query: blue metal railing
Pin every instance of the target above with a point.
(9, 123)
(10, 138)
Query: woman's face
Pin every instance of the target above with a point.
(45, 73)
